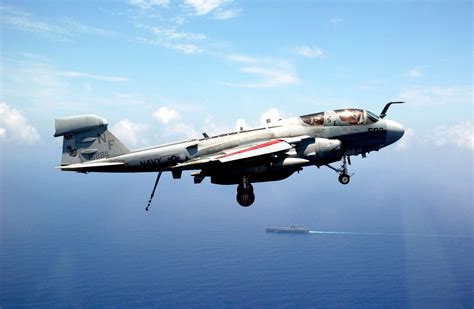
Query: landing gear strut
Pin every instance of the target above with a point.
(344, 177)
(245, 195)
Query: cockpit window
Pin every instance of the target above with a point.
(314, 119)
(372, 117)
(351, 116)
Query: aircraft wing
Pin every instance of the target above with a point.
(241, 153)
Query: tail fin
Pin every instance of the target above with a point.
(86, 138)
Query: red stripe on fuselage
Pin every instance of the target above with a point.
(251, 148)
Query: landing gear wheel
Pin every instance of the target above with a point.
(245, 198)
(344, 179)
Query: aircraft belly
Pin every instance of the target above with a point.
(236, 178)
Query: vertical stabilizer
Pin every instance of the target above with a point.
(86, 138)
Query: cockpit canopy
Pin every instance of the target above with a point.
(313, 119)
(341, 117)
(372, 117)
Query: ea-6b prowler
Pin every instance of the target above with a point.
(269, 153)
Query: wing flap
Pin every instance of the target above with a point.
(261, 149)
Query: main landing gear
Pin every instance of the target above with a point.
(344, 177)
(245, 195)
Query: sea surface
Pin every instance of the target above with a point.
(70, 240)
(215, 266)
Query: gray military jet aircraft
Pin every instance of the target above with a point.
(269, 153)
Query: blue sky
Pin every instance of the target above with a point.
(207, 64)
(161, 71)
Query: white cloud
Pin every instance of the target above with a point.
(33, 57)
(438, 95)
(203, 7)
(147, 4)
(270, 72)
(266, 61)
(215, 126)
(241, 123)
(460, 135)
(415, 72)
(131, 133)
(273, 114)
(183, 129)
(82, 28)
(6, 9)
(165, 114)
(32, 81)
(171, 38)
(226, 14)
(407, 140)
(183, 48)
(308, 51)
(271, 77)
(168, 34)
(14, 127)
(242, 58)
(50, 89)
(23, 21)
(219, 8)
(105, 78)
(171, 127)
(177, 127)
(173, 34)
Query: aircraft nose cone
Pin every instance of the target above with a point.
(395, 131)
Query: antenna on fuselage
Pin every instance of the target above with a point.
(387, 106)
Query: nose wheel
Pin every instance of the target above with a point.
(344, 179)
(245, 195)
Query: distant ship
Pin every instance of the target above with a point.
(292, 230)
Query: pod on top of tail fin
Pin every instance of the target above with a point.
(86, 138)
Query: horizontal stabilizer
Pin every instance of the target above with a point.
(85, 166)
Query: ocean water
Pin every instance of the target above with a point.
(214, 265)
(70, 240)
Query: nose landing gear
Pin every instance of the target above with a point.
(245, 195)
(344, 177)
